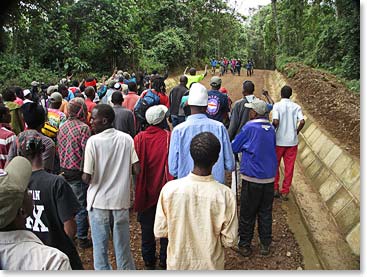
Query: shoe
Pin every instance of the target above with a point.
(276, 194)
(149, 266)
(284, 196)
(162, 266)
(85, 243)
(245, 250)
(264, 249)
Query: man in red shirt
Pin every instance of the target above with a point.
(6, 136)
(152, 147)
(91, 94)
(132, 97)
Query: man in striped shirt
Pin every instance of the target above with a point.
(6, 136)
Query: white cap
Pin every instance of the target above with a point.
(155, 114)
(198, 95)
(26, 92)
(258, 105)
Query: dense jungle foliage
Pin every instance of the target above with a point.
(45, 39)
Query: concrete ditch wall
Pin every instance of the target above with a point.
(334, 174)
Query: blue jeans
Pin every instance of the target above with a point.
(82, 225)
(177, 119)
(102, 223)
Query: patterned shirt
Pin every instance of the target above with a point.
(56, 118)
(6, 139)
(72, 138)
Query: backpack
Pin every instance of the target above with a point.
(148, 100)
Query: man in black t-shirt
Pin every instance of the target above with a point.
(218, 107)
(55, 204)
(176, 111)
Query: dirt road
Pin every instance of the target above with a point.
(285, 251)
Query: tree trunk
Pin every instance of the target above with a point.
(275, 18)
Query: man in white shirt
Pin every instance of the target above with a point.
(108, 160)
(286, 115)
(197, 213)
(20, 249)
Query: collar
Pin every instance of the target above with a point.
(17, 236)
(285, 100)
(132, 92)
(108, 131)
(197, 116)
(198, 178)
(260, 120)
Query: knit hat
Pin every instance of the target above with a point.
(155, 114)
(14, 181)
(198, 95)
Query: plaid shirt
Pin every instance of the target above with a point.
(72, 139)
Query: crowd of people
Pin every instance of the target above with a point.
(71, 153)
(234, 65)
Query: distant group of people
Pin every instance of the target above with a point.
(71, 166)
(234, 65)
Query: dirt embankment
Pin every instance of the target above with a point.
(330, 103)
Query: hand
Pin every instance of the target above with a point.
(265, 92)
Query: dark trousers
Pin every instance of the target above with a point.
(256, 200)
(148, 246)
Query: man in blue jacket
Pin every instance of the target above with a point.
(258, 167)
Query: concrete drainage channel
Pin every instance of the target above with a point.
(326, 190)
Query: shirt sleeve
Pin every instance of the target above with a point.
(275, 112)
(299, 114)
(66, 202)
(239, 141)
(229, 162)
(134, 156)
(160, 222)
(88, 159)
(229, 232)
(173, 153)
(234, 122)
(48, 155)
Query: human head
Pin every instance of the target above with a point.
(204, 150)
(30, 145)
(75, 83)
(117, 98)
(156, 114)
(286, 92)
(192, 71)
(77, 109)
(15, 202)
(34, 115)
(5, 116)
(9, 94)
(63, 89)
(117, 86)
(132, 86)
(91, 82)
(215, 82)
(258, 108)
(183, 80)
(19, 92)
(223, 90)
(102, 118)
(248, 88)
(90, 92)
(158, 84)
(55, 100)
(26, 94)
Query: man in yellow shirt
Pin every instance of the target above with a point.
(196, 213)
(192, 77)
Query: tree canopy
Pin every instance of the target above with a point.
(43, 38)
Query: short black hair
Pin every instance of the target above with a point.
(205, 149)
(248, 87)
(34, 115)
(286, 92)
(106, 111)
(132, 86)
(158, 84)
(9, 94)
(3, 111)
(117, 97)
(192, 71)
(75, 83)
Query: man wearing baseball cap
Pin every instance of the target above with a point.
(151, 145)
(20, 249)
(179, 162)
(256, 142)
(218, 108)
